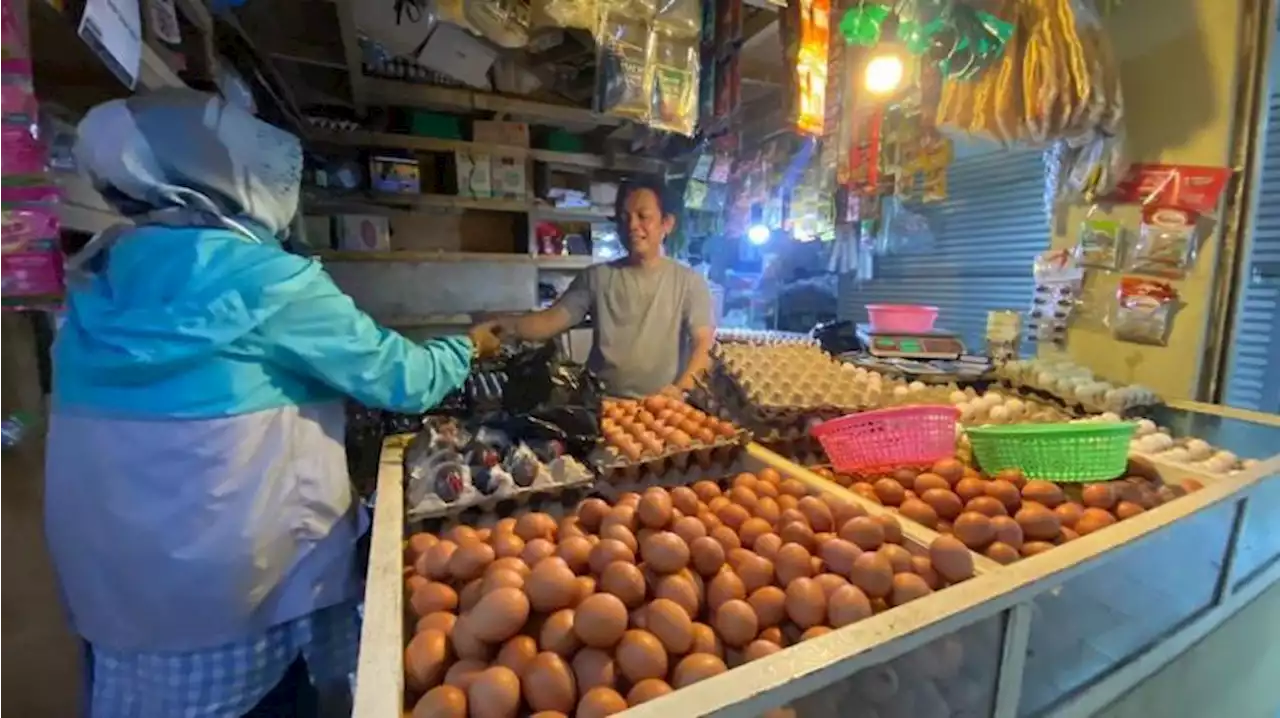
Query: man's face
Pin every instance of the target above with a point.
(643, 224)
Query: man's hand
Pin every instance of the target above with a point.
(486, 337)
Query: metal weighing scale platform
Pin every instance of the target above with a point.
(936, 344)
(932, 357)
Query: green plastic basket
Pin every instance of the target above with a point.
(1087, 451)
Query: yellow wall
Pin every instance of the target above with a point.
(1179, 74)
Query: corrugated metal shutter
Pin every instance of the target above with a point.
(987, 234)
(1253, 368)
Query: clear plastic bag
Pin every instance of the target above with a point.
(674, 98)
(580, 14)
(624, 75)
(1144, 311)
(682, 18)
(1166, 243)
(1100, 243)
(1058, 283)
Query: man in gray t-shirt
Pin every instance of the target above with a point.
(652, 319)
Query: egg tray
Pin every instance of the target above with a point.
(522, 496)
(1078, 409)
(725, 388)
(773, 422)
(556, 501)
(704, 457)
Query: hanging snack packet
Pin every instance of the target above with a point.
(1144, 311)
(1166, 243)
(674, 106)
(624, 77)
(1100, 242)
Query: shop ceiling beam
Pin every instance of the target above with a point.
(406, 94)
(351, 54)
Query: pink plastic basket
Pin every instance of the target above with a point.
(889, 438)
(901, 317)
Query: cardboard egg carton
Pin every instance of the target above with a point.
(564, 476)
(702, 457)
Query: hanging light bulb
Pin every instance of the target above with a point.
(758, 234)
(884, 74)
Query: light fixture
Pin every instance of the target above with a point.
(758, 234)
(884, 74)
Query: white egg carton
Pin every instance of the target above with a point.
(565, 476)
(1074, 384)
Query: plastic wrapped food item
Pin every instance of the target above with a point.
(624, 77)
(680, 18)
(1144, 311)
(1166, 243)
(503, 22)
(674, 60)
(1100, 243)
(580, 14)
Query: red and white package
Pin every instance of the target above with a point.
(1144, 311)
(1166, 243)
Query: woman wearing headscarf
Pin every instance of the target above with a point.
(198, 507)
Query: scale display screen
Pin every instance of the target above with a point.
(915, 346)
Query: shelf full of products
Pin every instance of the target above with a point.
(738, 580)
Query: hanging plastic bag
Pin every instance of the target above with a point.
(1100, 242)
(624, 75)
(579, 14)
(674, 105)
(681, 18)
(1144, 311)
(1166, 243)
(548, 398)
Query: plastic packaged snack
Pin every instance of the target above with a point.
(1166, 243)
(1144, 310)
(579, 14)
(1100, 242)
(624, 76)
(674, 99)
(682, 18)
(1059, 278)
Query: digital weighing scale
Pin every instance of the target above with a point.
(935, 344)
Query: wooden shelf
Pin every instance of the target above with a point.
(542, 262)
(391, 140)
(378, 91)
(382, 202)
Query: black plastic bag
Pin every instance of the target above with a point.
(547, 398)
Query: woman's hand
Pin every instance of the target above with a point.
(487, 338)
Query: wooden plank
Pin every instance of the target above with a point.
(543, 262)
(405, 94)
(359, 201)
(351, 54)
(380, 667)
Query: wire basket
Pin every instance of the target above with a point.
(889, 438)
(1079, 452)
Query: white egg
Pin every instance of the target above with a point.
(1249, 463)
(1178, 455)
(1163, 440)
(916, 386)
(1135, 446)
(958, 397)
(899, 392)
(999, 415)
(1046, 379)
(1150, 444)
(1146, 427)
(1016, 407)
(1199, 449)
(1109, 417)
(966, 412)
(1222, 464)
(1225, 456)
(1206, 467)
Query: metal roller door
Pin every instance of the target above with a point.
(1253, 366)
(987, 234)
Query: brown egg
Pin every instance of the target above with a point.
(793, 562)
(756, 571)
(1093, 520)
(759, 649)
(434, 563)
(929, 481)
(1067, 535)
(970, 489)
(944, 502)
(793, 487)
(743, 496)
(536, 525)
(1099, 496)
(843, 509)
(425, 660)
(536, 550)
(908, 587)
(507, 545)
(1033, 548)
(465, 642)
(919, 512)
(726, 537)
(551, 585)
(1127, 510)
(625, 581)
(689, 529)
(593, 667)
(432, 597)
(600, 620)
(725, 586)
(1037, 522)
(500, 614)
(974, 530)
(1006, 493)
(767, 546)
(548, 714)
(839, 554)
(441, 621)
(923, 567)
(1045, 493)
(1002, 553)
(510, 563)
(647, 690)
(600, 702)
(951, 559)
(706, 490)
(441, 702)
(470, 595)
(1012, 476)
(670, 623)
(806, 603)
(665, 552)
(890, 492)
(517, 653)
(681, 589)
(641, 655)
(949, 469)
(585, 585)
(495, 693)
(848, 605)
(787, 501)
(462, 534)
(470, 560)
(817, 514)
(575, 551)
(684, 499)
(798, 532)
(622, 514)
(608, 551)
(864, 532)
(898, 557)
(733, 515)
(706, 555)
(873, 574)
(549, 684)
(1068, 512)
(622, 535)
(830, 583)
(906, 477)
(768, 509)
(591, 512)
(557, 634)
(654, 509)
(987, 506)
(461, 674)
(814, 632)
(752, 529)
(696, 667)
(705, 640)
(1007, 531)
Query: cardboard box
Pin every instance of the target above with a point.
(508, 178)
(398, 175)
(455, 52)
(475, 178)
(492, 132)
(363, 233)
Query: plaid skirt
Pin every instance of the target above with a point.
(225, 681)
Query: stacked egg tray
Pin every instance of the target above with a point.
(1077, 409)
(674, 467)
(719, 394)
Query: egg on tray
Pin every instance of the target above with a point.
(635, 431)
(627, 601)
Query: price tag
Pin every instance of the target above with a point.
(113, 29)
